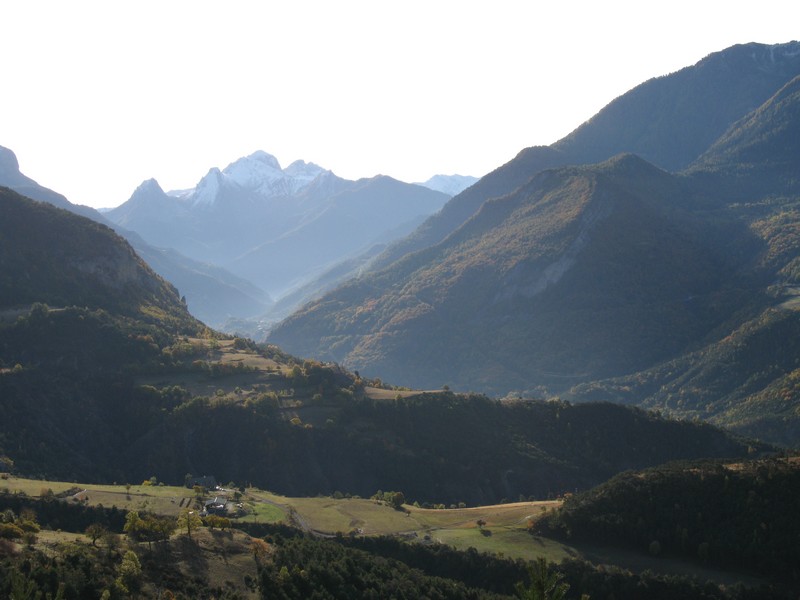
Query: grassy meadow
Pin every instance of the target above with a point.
(503, 529)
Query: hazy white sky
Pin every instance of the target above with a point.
(98, 96)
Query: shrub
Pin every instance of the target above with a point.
(9, 531)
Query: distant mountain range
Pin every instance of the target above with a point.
(279, 228)
(543, 276)
(286, 230)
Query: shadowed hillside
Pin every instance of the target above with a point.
(52, 256)
(735, 515)
(669, 121)
(581, 273)
(616, 270)
(745, 379)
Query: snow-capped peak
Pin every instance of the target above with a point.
(207, 189)
(255, 170)
(449, 184)
(301, 169)
(259, 173)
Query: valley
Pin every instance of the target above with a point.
(582, 367)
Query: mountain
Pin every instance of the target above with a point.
(612, 270)
(672, 120)
(80, 314)
(580, 273)
(367, 212)
(55, 257)
(449, 184)
(111, 383)
(746, 379)
(501, 181)
(757, 155)
(212, 293)
(668, 120)
(104, 375)
(319, 285)
(304, 292)
(12, 177)
(278, 228)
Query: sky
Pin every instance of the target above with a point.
(98, 96)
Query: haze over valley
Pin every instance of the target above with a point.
(575, 375)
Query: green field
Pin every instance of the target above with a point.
(504, 529)
(505, 542)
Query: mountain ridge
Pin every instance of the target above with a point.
(245, 215)
(78, 262)
(617, 129)
(616, 267)
(204, 287)
(508, 258)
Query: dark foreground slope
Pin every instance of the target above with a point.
(78, 311)
(434, 448)
(738, 516)
(290, 565)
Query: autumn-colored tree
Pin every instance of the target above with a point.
(213, 521)
(189, 520)
(260, 550)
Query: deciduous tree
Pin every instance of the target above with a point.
(190, 520)
(95, 531)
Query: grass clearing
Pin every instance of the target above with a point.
(374, 393)
(503, 530)
(165, 500)
(510, 543)
(516, 514)
(264, 512)
(327, 515)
